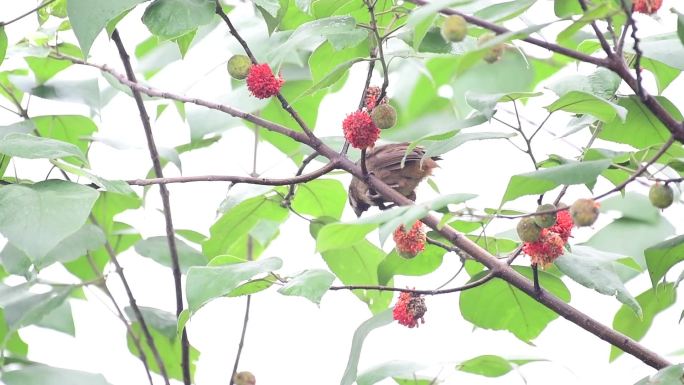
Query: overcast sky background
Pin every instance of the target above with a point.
(290, 340)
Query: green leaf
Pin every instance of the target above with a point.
(671, 375)
(486, 103)
(564, 8)
(311, 284)
(270, 6)
(320, 198)
(332, 77)
(44, 68)
(252, 287)
(157, 248)
(546, 179)
(641, 129)
(3, 44)
(486, 365)
(161, 320)
(633, 206)
(340, 31)
(173, 18)
(22, 307)
(660, 258)
(663, 73)
(666, 48)
(583, 103)
(680, 25)
(60, 319)
(641, 235)
(35, 218)
(599, 271)
(652, 301)
(73, 129)
(228, 235)
(424, 263)
(388, 369)
(205, 283)
(48, 375)
(114, 186)
(169, 349)
(34, 147)
(377, 321)
(497, 13)
(499, 306)
(602, 83)
(89, 17)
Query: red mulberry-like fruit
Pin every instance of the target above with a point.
(372, 96)
(261, 81)
(410, 309)
(563, 226)
(648, 7)
(546, 249)
(360, 130)
(409, 244)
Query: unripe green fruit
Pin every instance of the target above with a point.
(528, 231)
(661, 195)
(238, 66)
(495, 52)
(545, 220)
(584, 212)
(454, 28)
(384, 116)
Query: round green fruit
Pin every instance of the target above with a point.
(454, 28)
(545, 220)
(584, 212)
(495, 52)
(238, 66)
(384, 116)
(661, 195)
(528, 231)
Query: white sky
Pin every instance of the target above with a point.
(290, 340)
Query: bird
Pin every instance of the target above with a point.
(385, 163)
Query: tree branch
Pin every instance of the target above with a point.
(236, 179)
(494, 264)
(164, 192)
(36, 9)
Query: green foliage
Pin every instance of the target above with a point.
(205, 283)
(174, 18)
(377, 321)
(652, 302)
(89, 17)
(311, 284)
(490, 365)
(47, 375)
(499, 306)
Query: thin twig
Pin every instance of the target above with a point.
(164, 192)
(467, 286)
(602, 39)
(235, 179)
(121, 316)
(305, 162)
(36, 9)
(134, 306)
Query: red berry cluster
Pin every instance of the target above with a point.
(261, 81)
(551, 242)
(410, 243)
(359, 130)
(409, 309)
(372, 96)
(648, 7)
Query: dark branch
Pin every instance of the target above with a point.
(164, 192)
(36, 9)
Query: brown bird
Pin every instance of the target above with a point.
(385, 163)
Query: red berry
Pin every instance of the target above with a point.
(360, 130)
(546, 249)
(372, 96)
(648, 7)
(563, 226)
(261, 82)
(410, 309)
(409, 244)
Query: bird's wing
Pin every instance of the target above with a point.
(389, 156)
